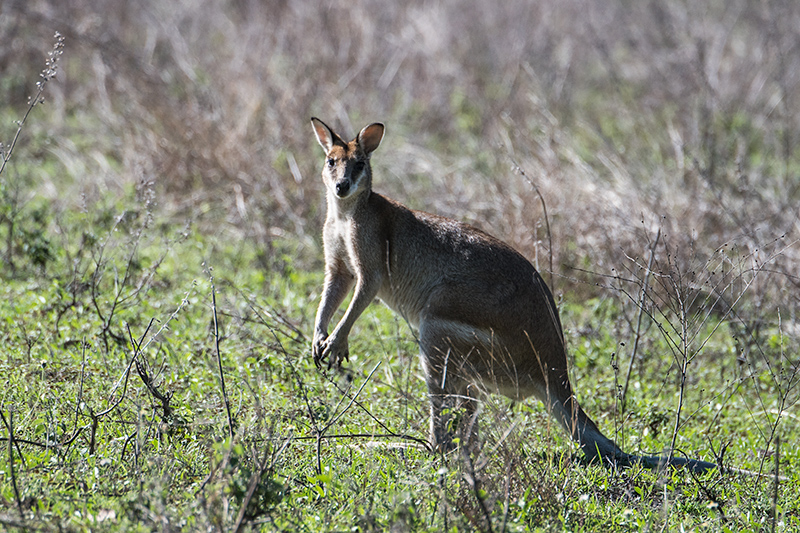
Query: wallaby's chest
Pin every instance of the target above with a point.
(344, 241)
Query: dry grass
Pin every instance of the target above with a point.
(628, 119)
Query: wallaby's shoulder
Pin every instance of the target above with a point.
(402, 218)
(446, 234)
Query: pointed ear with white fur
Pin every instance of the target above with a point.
(325, 136)
(370, 137)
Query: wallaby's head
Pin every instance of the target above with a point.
(347, 171)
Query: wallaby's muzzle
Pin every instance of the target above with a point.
(342, 188)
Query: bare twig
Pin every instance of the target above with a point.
(475, 484)
(387, 436)
(506, 493)
(783, 397)
(219, 355)
(10, 427)
(321, 432)
(255, 478)
(303, 393)
(142, 346)
(123, 380)
(138, 346)
(267, 464)
(17, 441)
(49, 72)
(147, 379)
(80, 387)
(641, 306)
(546, 219)
(93, 433)
(774, 509)
(352, 399)
(120, 285)
(389, 432)
(125, 444)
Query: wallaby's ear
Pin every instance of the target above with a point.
(325, 135)
(370, 137)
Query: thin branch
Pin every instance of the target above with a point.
(383, 426)
(147, 379)
(386, 436)
(219, 355)
(777, 482)
(546, 219)
(322, 431)
(475, 484)
(123, 380)
(49, 72)
(352, 400)
(255, 479)
(641, 305)
(139, 347)
(10, 427)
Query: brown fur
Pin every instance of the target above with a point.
(485, 318)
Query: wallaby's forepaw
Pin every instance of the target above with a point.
(330, 349)
(317, 348)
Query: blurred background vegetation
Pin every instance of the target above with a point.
(628, 117)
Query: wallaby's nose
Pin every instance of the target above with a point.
(342, 188)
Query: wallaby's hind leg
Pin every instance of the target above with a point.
(453, 416)
(454, 400)
(454, 355)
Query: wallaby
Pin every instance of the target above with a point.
(484, 317)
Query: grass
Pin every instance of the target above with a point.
(162, 262)
(341, 451)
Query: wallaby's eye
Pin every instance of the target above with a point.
(358, 167)
(331, 162)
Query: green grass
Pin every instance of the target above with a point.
(334, 451)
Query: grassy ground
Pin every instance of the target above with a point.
(93, 447)
(160, 224)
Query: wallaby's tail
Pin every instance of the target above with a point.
(607, 452)
(655, 462)
(597, 447)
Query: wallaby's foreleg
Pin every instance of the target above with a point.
(334, 347)
(338, 282)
